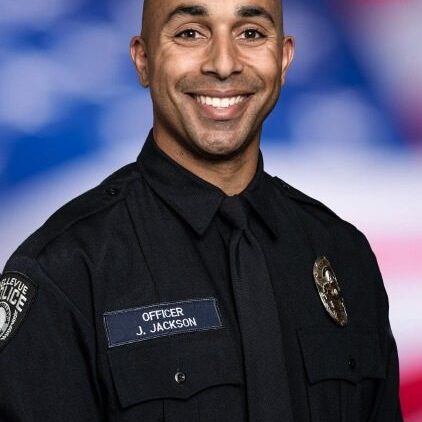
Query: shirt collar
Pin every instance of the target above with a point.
(196, 200)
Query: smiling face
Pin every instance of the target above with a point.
(215, 69)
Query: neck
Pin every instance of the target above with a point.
(231, 176)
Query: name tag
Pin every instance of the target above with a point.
(163, 319)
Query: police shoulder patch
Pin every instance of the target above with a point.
(17, 292)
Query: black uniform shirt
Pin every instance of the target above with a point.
(129, 313)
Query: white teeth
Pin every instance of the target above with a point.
(219, 102)
(225, 102)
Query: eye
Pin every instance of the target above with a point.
(252, 34)
(189, 34)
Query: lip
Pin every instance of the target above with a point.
(220, 114)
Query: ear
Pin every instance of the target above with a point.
(288, 54)
(138, 52)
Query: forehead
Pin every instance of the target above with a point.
(159, 12)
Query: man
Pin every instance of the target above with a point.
(191, 285)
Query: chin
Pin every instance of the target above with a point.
(220, 150)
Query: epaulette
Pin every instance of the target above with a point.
(299, 196)
(103, 196)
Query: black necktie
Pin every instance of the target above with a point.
(266, 379)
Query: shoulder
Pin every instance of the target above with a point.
(317, 216)
(303, 200)
(91, 205)
(61, 256)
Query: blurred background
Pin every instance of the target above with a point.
(347, 130)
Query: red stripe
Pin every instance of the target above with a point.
(398, 255)
(411, 395)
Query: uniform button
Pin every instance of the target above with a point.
(180, 377)
(352, 363)
(112, 191)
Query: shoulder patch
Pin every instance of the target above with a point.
(17, 292)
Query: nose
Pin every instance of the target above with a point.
(223, 59)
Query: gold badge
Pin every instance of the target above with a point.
(329, 290)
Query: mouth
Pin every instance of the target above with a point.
(220, 102)
(220, 106)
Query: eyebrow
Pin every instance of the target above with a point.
(184, 10)
(198, 10)
(254, 11)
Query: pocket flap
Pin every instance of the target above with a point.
(147, 370)
(348, 354)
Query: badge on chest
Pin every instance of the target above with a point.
(329, 290)
(163, 319)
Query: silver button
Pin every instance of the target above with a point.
(180, 377)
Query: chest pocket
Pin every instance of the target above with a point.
(163, 379)
(343, 367)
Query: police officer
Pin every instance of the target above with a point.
(191, 285)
